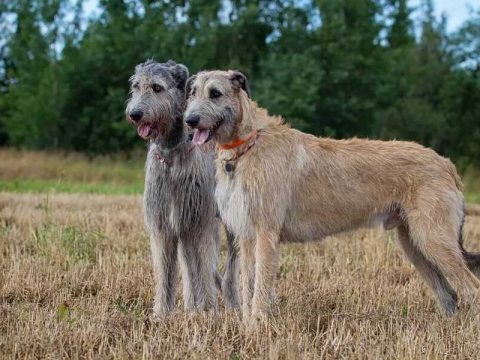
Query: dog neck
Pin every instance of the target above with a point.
(252, 118)
(175, 137)
(170, 158)
(174, 144)
(253, 121)
(234, 150)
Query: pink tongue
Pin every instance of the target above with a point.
(200, 136)
(143, 130)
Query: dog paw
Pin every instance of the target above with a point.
(257, 319)
(159, 315)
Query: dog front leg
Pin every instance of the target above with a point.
(230, 277)
(164, 256)
(198, 262)
(247, 275)
(266, 265)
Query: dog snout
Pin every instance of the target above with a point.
(192, 120)
(136, 115)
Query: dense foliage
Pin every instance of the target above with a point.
(331, 67)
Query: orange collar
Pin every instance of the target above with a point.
(236, 143)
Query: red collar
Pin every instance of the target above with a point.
(238, 142)
(234, 145)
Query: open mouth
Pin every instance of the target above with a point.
(148, 130)
(202, 136)
(144, 130)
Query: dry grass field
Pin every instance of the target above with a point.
(76, 282)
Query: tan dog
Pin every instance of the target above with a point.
(277, 184)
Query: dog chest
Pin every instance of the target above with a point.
(177, 200)
(234, 206)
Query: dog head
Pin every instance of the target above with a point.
(157, 97)
(214, 104)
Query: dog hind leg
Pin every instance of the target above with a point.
(445, 295)
(434, 231)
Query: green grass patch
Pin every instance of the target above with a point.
(65, 186)
(75, 187)
(69, 244)
(473, 198)
(45, 172)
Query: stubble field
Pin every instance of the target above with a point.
(76, 282)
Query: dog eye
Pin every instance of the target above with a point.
(136, 86)
(214, 94)
(157, 88)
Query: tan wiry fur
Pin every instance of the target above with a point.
(291, 186)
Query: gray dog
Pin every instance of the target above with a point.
(179, 206)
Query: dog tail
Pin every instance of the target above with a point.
(473, 210)
(218, 281)
(472, 259)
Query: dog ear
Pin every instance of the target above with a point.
(240, 81)
(188, 86)
(179, 73)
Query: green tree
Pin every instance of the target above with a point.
(331, 67)
(412, 85)
(30, 101)
(349, 55)
(289, 76)
(401, 33)
(461, 95)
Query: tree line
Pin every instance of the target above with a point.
(337, 68)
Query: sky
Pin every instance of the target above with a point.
(456, 10)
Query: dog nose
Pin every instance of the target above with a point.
(136, 115)
(192, 120)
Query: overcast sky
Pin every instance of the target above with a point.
(456, 10)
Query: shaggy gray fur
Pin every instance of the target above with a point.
(179, 205)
